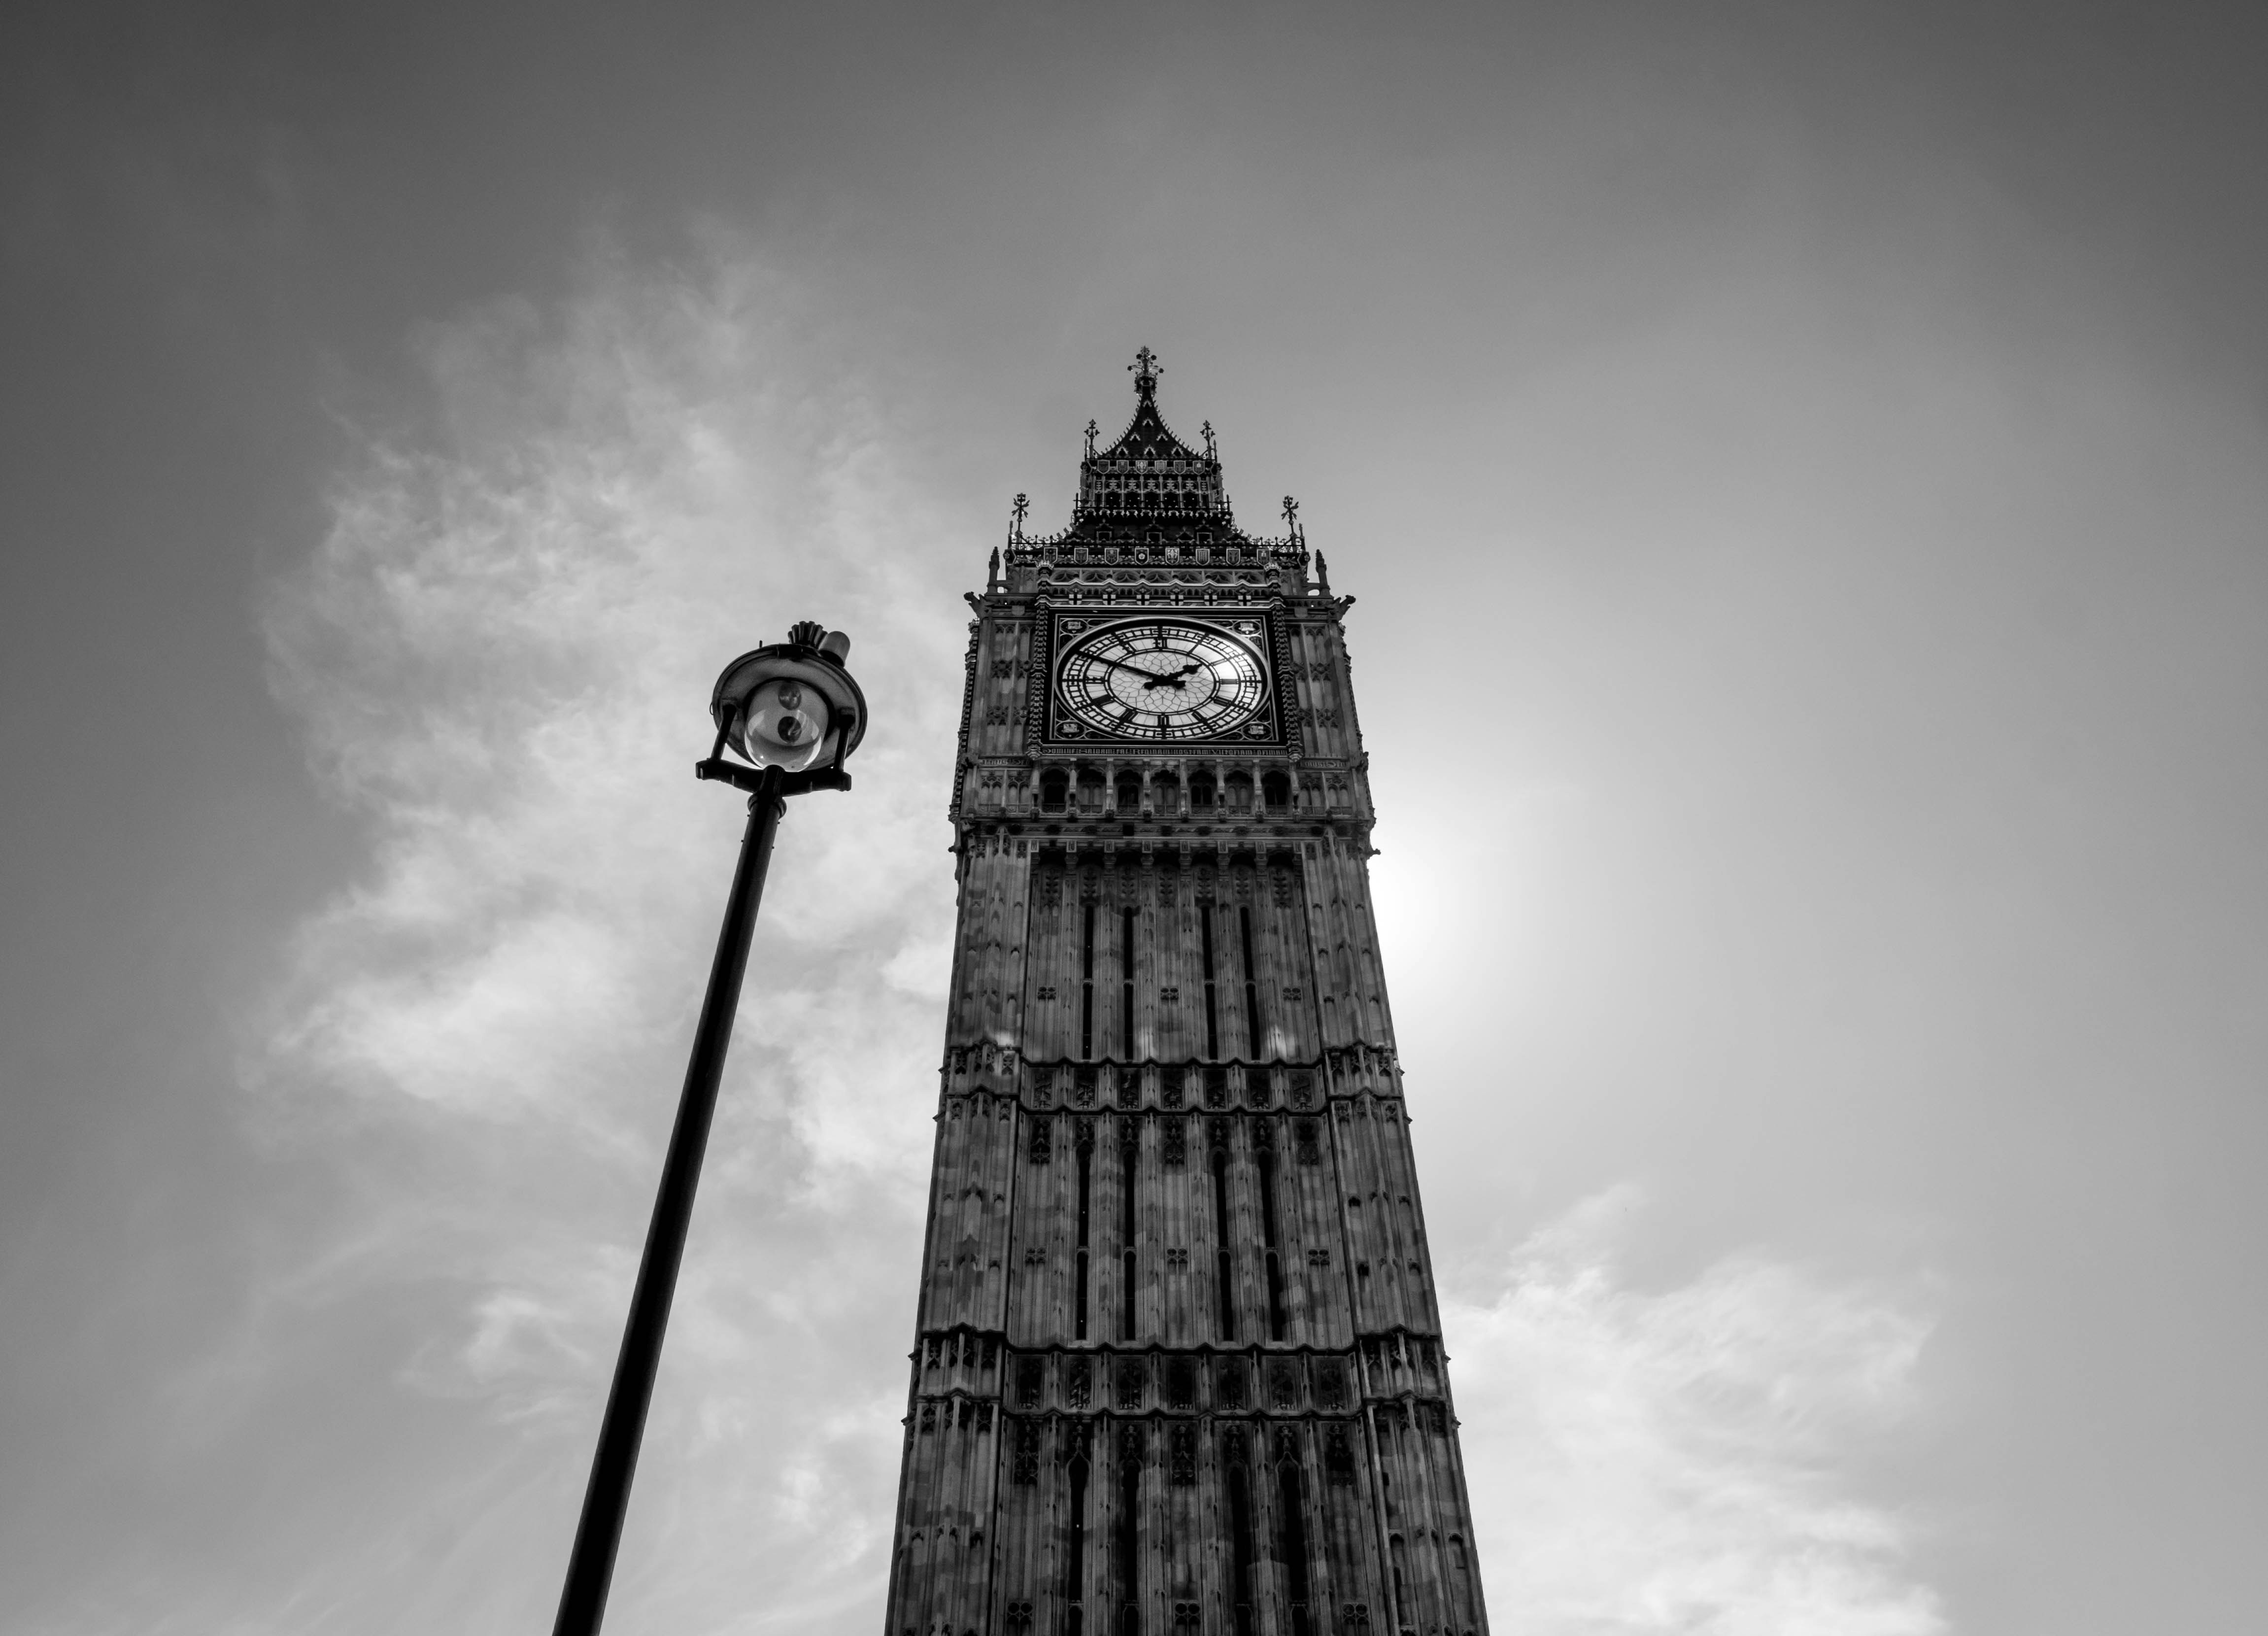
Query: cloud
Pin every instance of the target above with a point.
(1679, 1460)
(501, 652)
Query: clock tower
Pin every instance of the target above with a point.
(1178, 1364)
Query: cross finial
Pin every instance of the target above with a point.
(1291, 513)
(1091, 429)
(1207, 429)
(1146, 370)
(1023, 504)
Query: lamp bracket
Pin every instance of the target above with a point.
(752, 778)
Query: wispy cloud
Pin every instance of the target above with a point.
(502, 653)
(1679, 1460)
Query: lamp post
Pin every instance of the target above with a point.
(795, 713)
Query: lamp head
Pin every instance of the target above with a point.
(792, 705)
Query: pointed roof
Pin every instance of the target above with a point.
(1151, 510)
(1147, 436)
(1149, 473)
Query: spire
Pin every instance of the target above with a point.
(1147, 371)
(1148, 474)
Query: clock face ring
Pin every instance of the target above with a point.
(1165, 680)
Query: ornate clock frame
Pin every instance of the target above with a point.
(1059, 622)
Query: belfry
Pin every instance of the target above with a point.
(1178, 1364)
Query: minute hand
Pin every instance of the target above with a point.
(1174, 678)
(1148, 676)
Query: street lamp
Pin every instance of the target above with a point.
(795, 713)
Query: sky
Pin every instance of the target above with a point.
(1800, 469)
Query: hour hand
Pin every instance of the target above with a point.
(1174, 678)
(1120, 664)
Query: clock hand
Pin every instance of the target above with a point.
(1152, 678)
(1162, 680)
(1136, 670)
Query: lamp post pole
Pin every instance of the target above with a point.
(591, 1566)
(791, 711)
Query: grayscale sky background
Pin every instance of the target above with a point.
(1801, 468)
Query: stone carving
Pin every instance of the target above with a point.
(1181, 1456)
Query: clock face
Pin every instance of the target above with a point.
(1163, 679)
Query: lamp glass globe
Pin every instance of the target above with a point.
(786, 724)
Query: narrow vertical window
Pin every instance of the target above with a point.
(1130, 1158)
(1268, 1239)
(1241, 1553)
(1212, 1005)
(1251, 985)
(1227, 1300)
(1292, 1529)
(1085, 1180)
(1075, 1558)
(1126, 984)
(1129, 1546)
(1086, 985)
